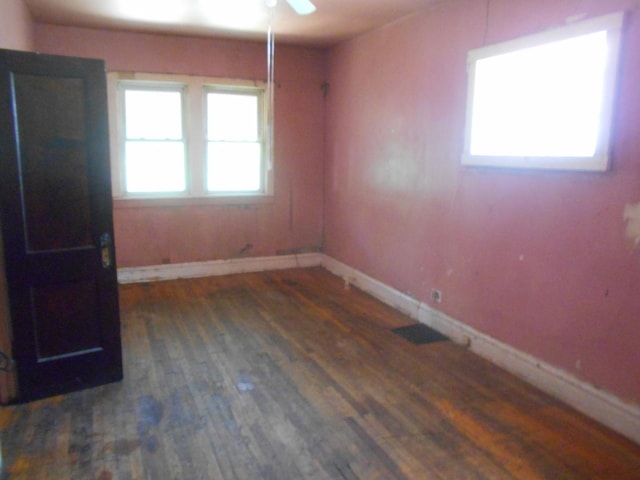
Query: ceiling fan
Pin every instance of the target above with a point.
(302, 7)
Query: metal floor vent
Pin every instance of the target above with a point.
(419, 334)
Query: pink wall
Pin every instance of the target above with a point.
(16, 26)
(293, 221)
(540, 260)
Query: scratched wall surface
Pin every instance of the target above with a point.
(544, 261)
(174, 234)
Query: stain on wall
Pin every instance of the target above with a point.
(631, 216)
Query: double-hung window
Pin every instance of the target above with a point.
(188, 137)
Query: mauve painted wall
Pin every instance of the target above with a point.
(16, 26)
(540, 260)
(293, 221)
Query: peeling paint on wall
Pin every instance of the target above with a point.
(631, 215)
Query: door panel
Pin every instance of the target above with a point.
(55, 193)
(61, 313)
(53, 161)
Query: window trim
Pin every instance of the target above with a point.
(194, 124)
(600, 161)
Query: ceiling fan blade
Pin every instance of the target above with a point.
(302, 7)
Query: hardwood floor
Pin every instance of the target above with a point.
(287, 375)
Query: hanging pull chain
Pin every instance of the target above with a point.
(270, 85)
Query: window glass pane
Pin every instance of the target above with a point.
(155, 167)
(153, 114)
(232, 117)
(544, 101)
(233, 167)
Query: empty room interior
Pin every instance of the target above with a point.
(333, 253)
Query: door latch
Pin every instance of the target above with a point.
(105, 249)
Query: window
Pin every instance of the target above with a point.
(188, 137)
(544, 101)
(153, 140)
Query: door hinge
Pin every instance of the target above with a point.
(7, 364)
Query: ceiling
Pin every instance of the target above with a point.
(333, 21)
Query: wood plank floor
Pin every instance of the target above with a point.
(287, 375)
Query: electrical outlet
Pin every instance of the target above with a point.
(436, 295)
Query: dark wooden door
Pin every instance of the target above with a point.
(56, 215)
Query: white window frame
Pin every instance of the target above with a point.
(600, 160)
(194, 122)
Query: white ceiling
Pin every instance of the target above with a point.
(333, 21)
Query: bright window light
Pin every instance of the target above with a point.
(153, 114)
(153, 167)
(234, 147)
(233, 167)
(232, 117)
(544, 101)
(154, 148)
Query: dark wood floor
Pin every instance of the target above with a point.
(287, 375)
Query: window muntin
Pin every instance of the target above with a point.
(544, 101)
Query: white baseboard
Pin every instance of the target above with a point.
(217, 267)
(597, 404)
(603, 407)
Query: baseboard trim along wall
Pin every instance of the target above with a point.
(604, 407)
(215, 268)
(597, 404)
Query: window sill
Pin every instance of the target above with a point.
(150, 202)
(597, 163)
